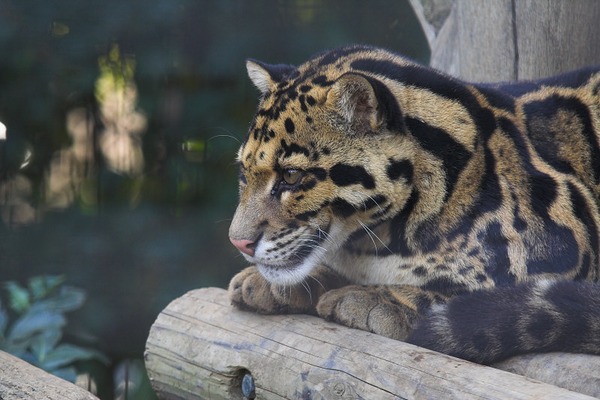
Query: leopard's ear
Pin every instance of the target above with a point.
(353, 98)
(364, 104)
(265, 76)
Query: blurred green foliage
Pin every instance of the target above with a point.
(35, 332)
(71, 199)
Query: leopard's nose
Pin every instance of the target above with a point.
(245, 246)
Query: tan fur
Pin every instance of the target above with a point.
(414, 185)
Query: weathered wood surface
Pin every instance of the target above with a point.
(22, 381)
(507, 40)
(200, 347)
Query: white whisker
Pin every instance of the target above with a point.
(370, 232)
(370, 237)
(228, 135)
(307, 287)
(318, 281)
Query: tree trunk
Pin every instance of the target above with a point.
(508, 40)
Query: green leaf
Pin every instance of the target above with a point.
(44, 342)
(18, 297)
(43, 286)
(66, 354)
(67, 299)
(33, 322)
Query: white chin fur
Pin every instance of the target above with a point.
(294, 274)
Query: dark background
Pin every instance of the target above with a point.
(129, 194)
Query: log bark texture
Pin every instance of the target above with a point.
(508, 40)
(200, 347)
(22, 381)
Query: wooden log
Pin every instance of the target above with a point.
(201, 348)
(20, 380)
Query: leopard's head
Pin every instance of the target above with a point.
(324, 157)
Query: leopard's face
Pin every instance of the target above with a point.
(311, 174)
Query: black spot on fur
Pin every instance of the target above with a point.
(542, 322)
(375, 201)
(318, 173)
(305, 216)
(302, 100)
(331, 56)
(400, 169)
(322, 80)
(270, 113)
(289, 126)
(293, 148)
(342, 208)
(307, 185)
(345, 175)
(292, 226)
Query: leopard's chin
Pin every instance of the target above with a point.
(282, 274)
(289, 273)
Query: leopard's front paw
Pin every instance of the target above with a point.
(369, 308)
(249, 290)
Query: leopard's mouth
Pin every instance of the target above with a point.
(297, 259)
(293, 261)
(295, 269)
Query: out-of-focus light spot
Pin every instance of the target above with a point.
(193, 150)
(2, 131)
(59, 29)
(116, 92)
(68, 177)
(26, 158)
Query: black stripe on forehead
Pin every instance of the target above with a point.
(293, 148)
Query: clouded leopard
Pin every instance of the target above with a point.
(389, 197)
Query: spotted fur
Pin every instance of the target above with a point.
(387, 196)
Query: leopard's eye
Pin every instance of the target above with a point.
(291, 176)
